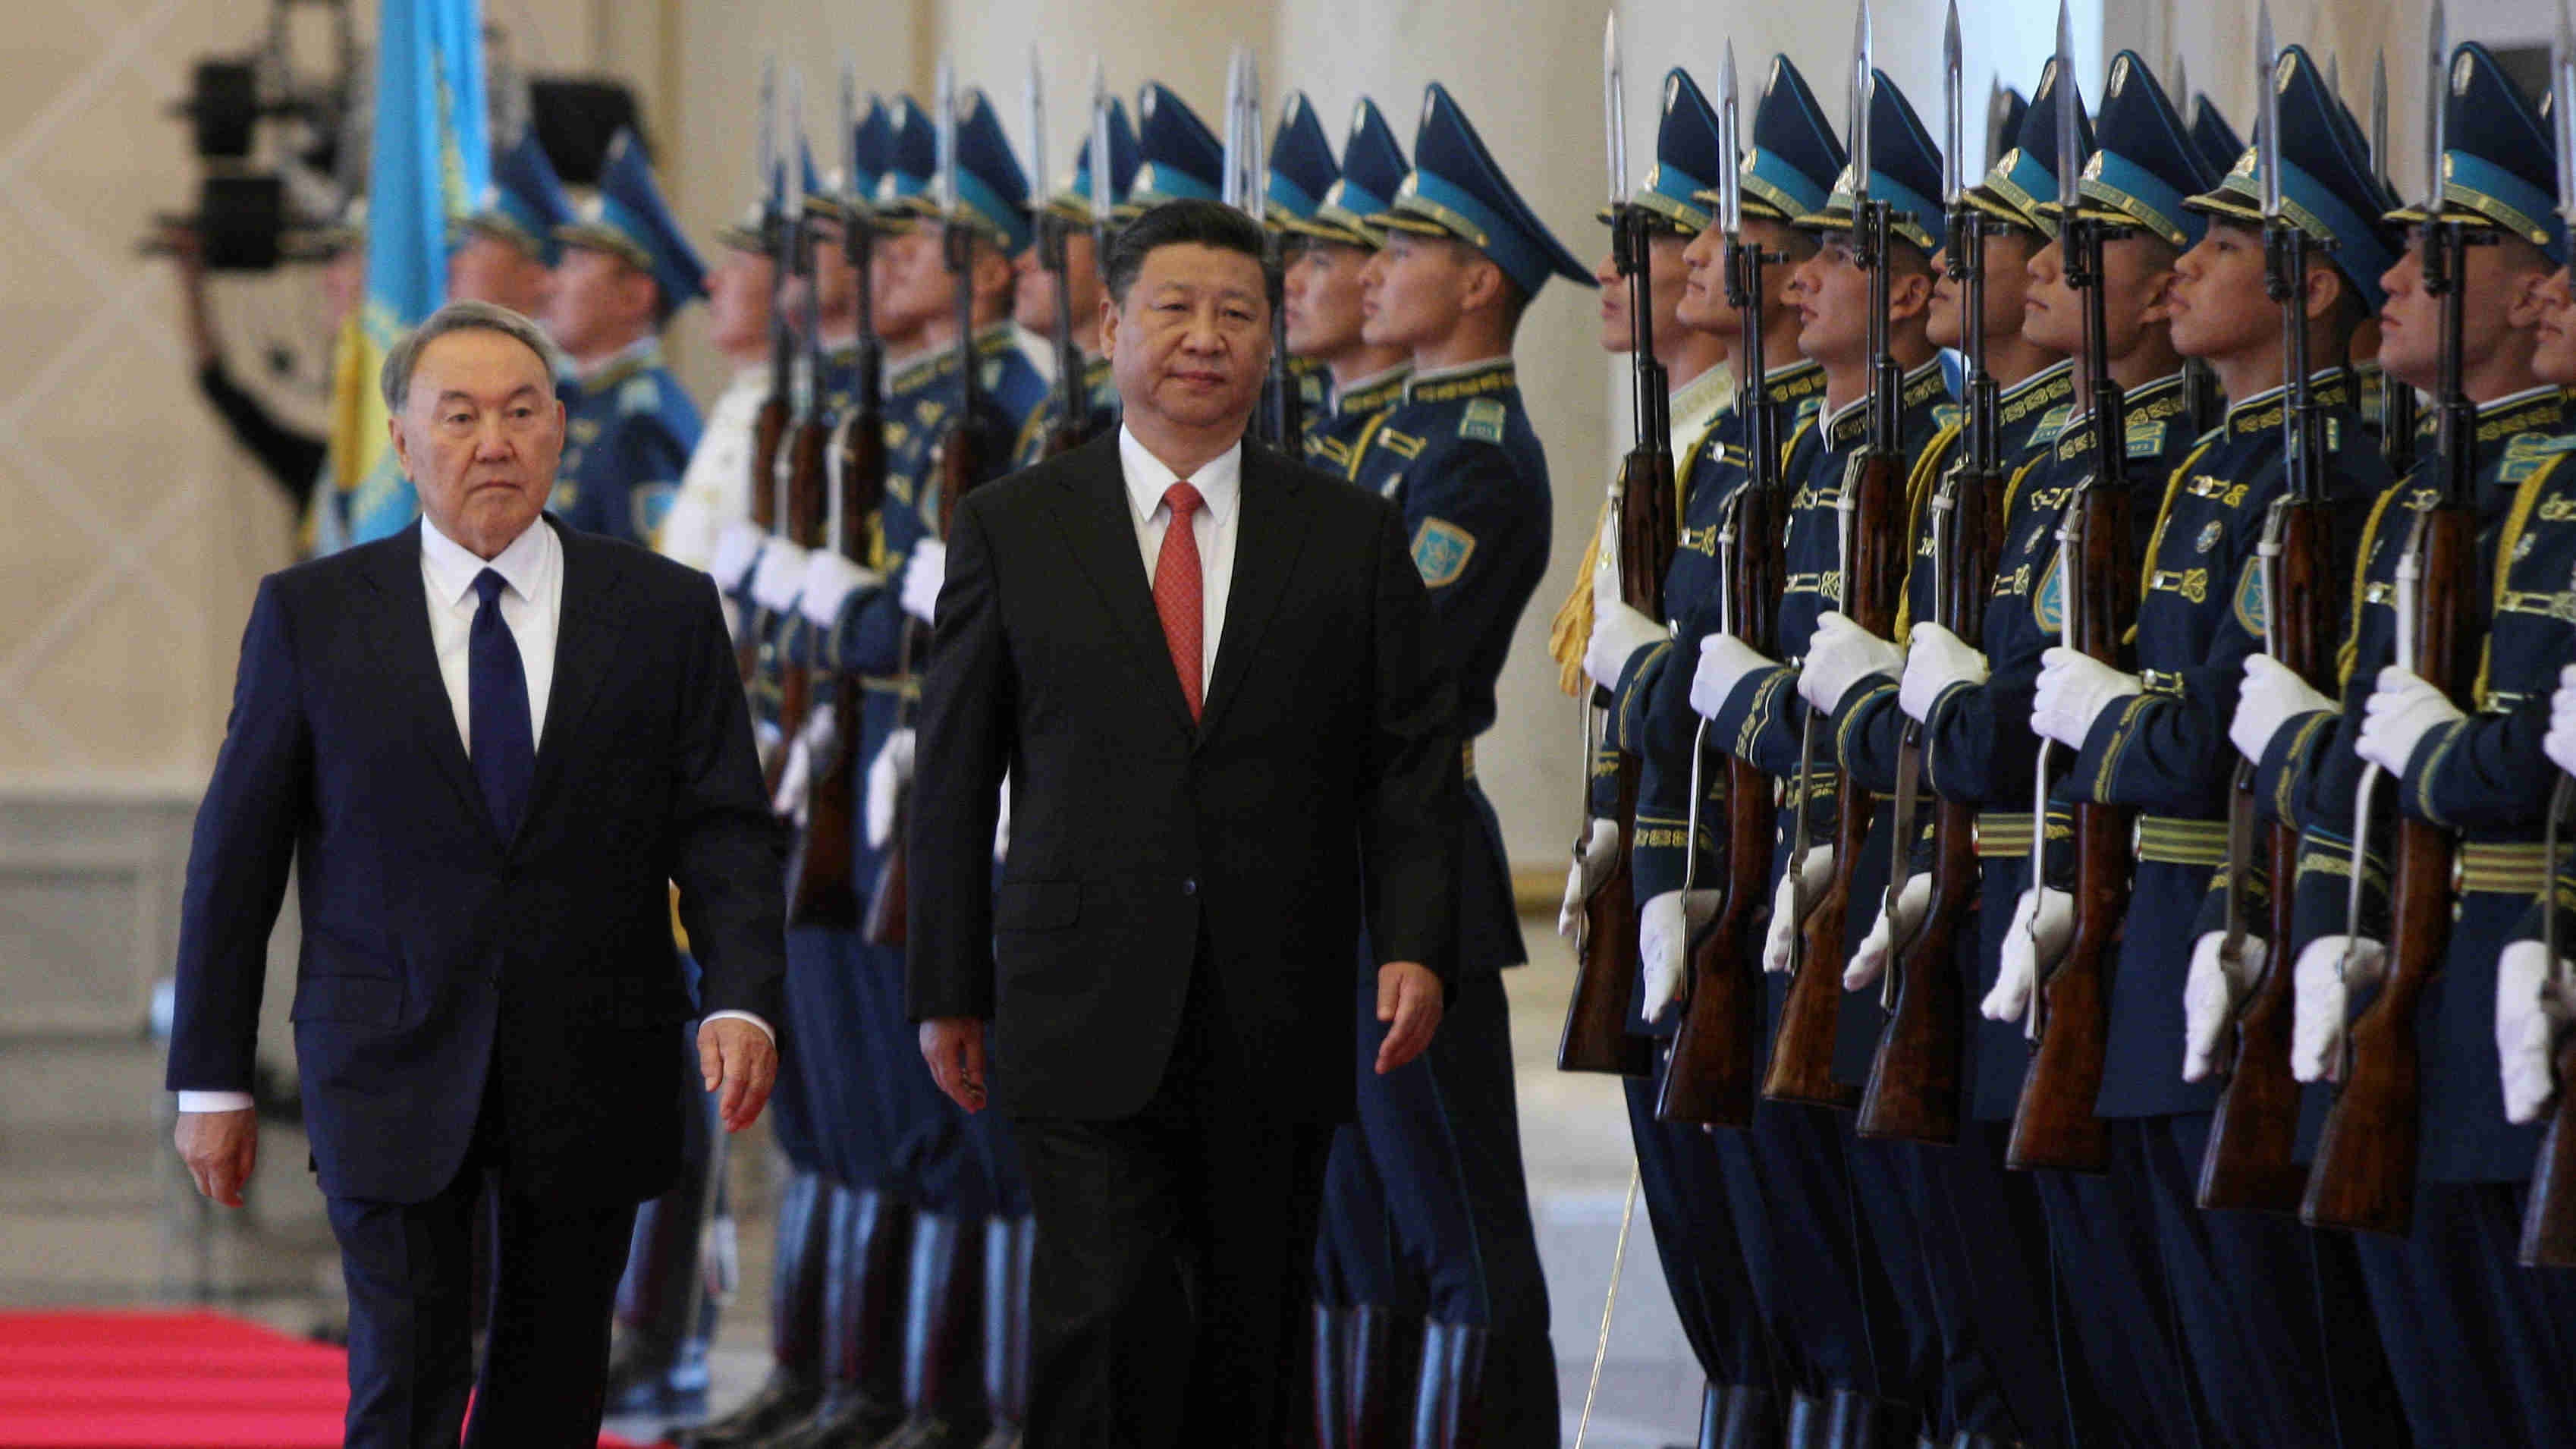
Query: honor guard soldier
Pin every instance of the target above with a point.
(1987, 1291)
(1463, 256)
(2245, 1288)
(1846, 1276)
(626, 269)
(715, 489)
(1325, 250)
(2477, 1344)
(1696, 1182)
(506, 251)
(1033, 302)
(1300, 172)
(2213, 138)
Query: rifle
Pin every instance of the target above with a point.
(2054, 1124)
(960, 465)
(1596, 1037)
(1716, 1059)
(2364, 1173)
(1870, 517)
(1072, 408)
(2249, 1161)
(1914, 1079)
(819, 889)
(769, 427)
(2396, 399)
(802, 467)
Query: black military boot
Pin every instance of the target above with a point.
(1449, 1402)
(943, 1340)
(1857, 1421)
(1007, 1243)
(1808, 1426)
(1385, 1359)
(795, 1380)
(1332, 1350)
(862, 1400)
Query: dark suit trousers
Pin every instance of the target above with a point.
(1200, 1204)
(410, 1267)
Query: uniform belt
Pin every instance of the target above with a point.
(907, 685)
(2173, 840)
(2502, 867)
(2003, 833)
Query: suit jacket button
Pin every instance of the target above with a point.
(1190, 886)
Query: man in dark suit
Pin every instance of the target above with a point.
(487, 745)
(1206, 672)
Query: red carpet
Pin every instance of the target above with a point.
(147, 1380)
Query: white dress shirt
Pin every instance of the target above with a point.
(532, 606)
(1220, 483)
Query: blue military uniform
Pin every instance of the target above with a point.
(630, 428)
(524, 203)
(1072, 204)
(1372, 169)
(2479, 1345)
(1457, 455)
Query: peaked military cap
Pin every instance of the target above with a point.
(1457, 190)
(1791, 168)
(347, 227)
(2500, 167)
(1072, 200)
(1904, 171)
(2025, 172)
(1689, 156)
(2004, 114)
(992, 190)
(1302, 168)
(1373, 170)
(630, 219)
(2327, 188)
(1179, 158)
(2215, 139)
(2145, 164)
(911, 155)
(523, 203)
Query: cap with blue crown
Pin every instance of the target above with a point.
(1689, 158)
(1904, 171)
(1790, 171)
(2499, 164)
(1456, 190)
(1372, 171)
(1072, 200)
(2026, 173)
(630, 219)
(2328, 187)
(523, 202)
(2146, 165)
(1179, 158)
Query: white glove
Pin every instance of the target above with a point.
(1618, 632)
(1724, 662)
(737, 549)
(1664, 930)
(780, 574)
(2323, 987)
(1935, 659)
(2531, 1007)
(2272, 695)
(1002, 825)
(888, 773)
(1871, 958)
(2209, 997)
(2560, 744)
(796, 777)
(2403, 710)
(1783, 931)
(1584, 876)
(922, 576)
(2048, 915)
(829, 581)
(1841, 654)
(2074, 689)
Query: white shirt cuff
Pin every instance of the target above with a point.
(214, 1101)
(829, 581)
(736, 551)
(765, 1028)
(780, 575)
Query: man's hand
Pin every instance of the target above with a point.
(739, 1063)
(2402, 711)
(1664, 929)
(220, 1149)
(1724, 662)
(2323, 984)
(1408, 1001)
(2074, 689)
(1840, 655)
(1591, 867)
(1935, 659)
(954, 1047)
(2043, 921)
(2272, 695)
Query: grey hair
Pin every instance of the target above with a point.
(395, 380)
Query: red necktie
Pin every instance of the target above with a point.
(1180, 594)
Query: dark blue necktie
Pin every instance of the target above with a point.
(496, 690)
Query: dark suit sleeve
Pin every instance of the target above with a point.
(1413, 790)
(727, 854)
(237, 863)
(964, 745)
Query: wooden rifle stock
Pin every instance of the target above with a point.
(820, 891)
(805, 503)
(768, 434)
(2549, 1218)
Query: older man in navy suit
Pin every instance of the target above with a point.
(488, 745)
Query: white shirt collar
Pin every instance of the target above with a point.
(453, 568)
(1219, 480)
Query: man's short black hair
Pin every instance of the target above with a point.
(1188, 223)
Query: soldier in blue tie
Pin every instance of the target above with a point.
(1463, 256)
(1325, 247)
(1033, 303)
(505, 252)
(627, 267)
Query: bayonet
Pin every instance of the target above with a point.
(1040, 178)
(768, 179)
(1954, 130)
(2267, 141)
(1614, 111)
(1256, 162)
(2069, 122)
(1099, 178)
(2437, 134)
(2334, 73)
(946, 133)
(2379, 112)
(1730, 180)
(1862, 85)
(1230, 189)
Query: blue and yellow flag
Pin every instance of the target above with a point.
(428, 168)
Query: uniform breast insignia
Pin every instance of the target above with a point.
(1483, 421)
(1946, 414)
(1440, 552)
(2192, 584)
(639, 395)
(898, 487)
(584, 430)
(2048, 601)
(2556, 510)
(2146, 439)
(2249, 602)
(2209, 536)
(1699, 540)
(1403, 445)
(929, 411)
(2051, 423)
(649, 504)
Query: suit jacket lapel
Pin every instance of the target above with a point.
(585, 650)
(1100, 530)
(1267, 539)
(405, 600)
